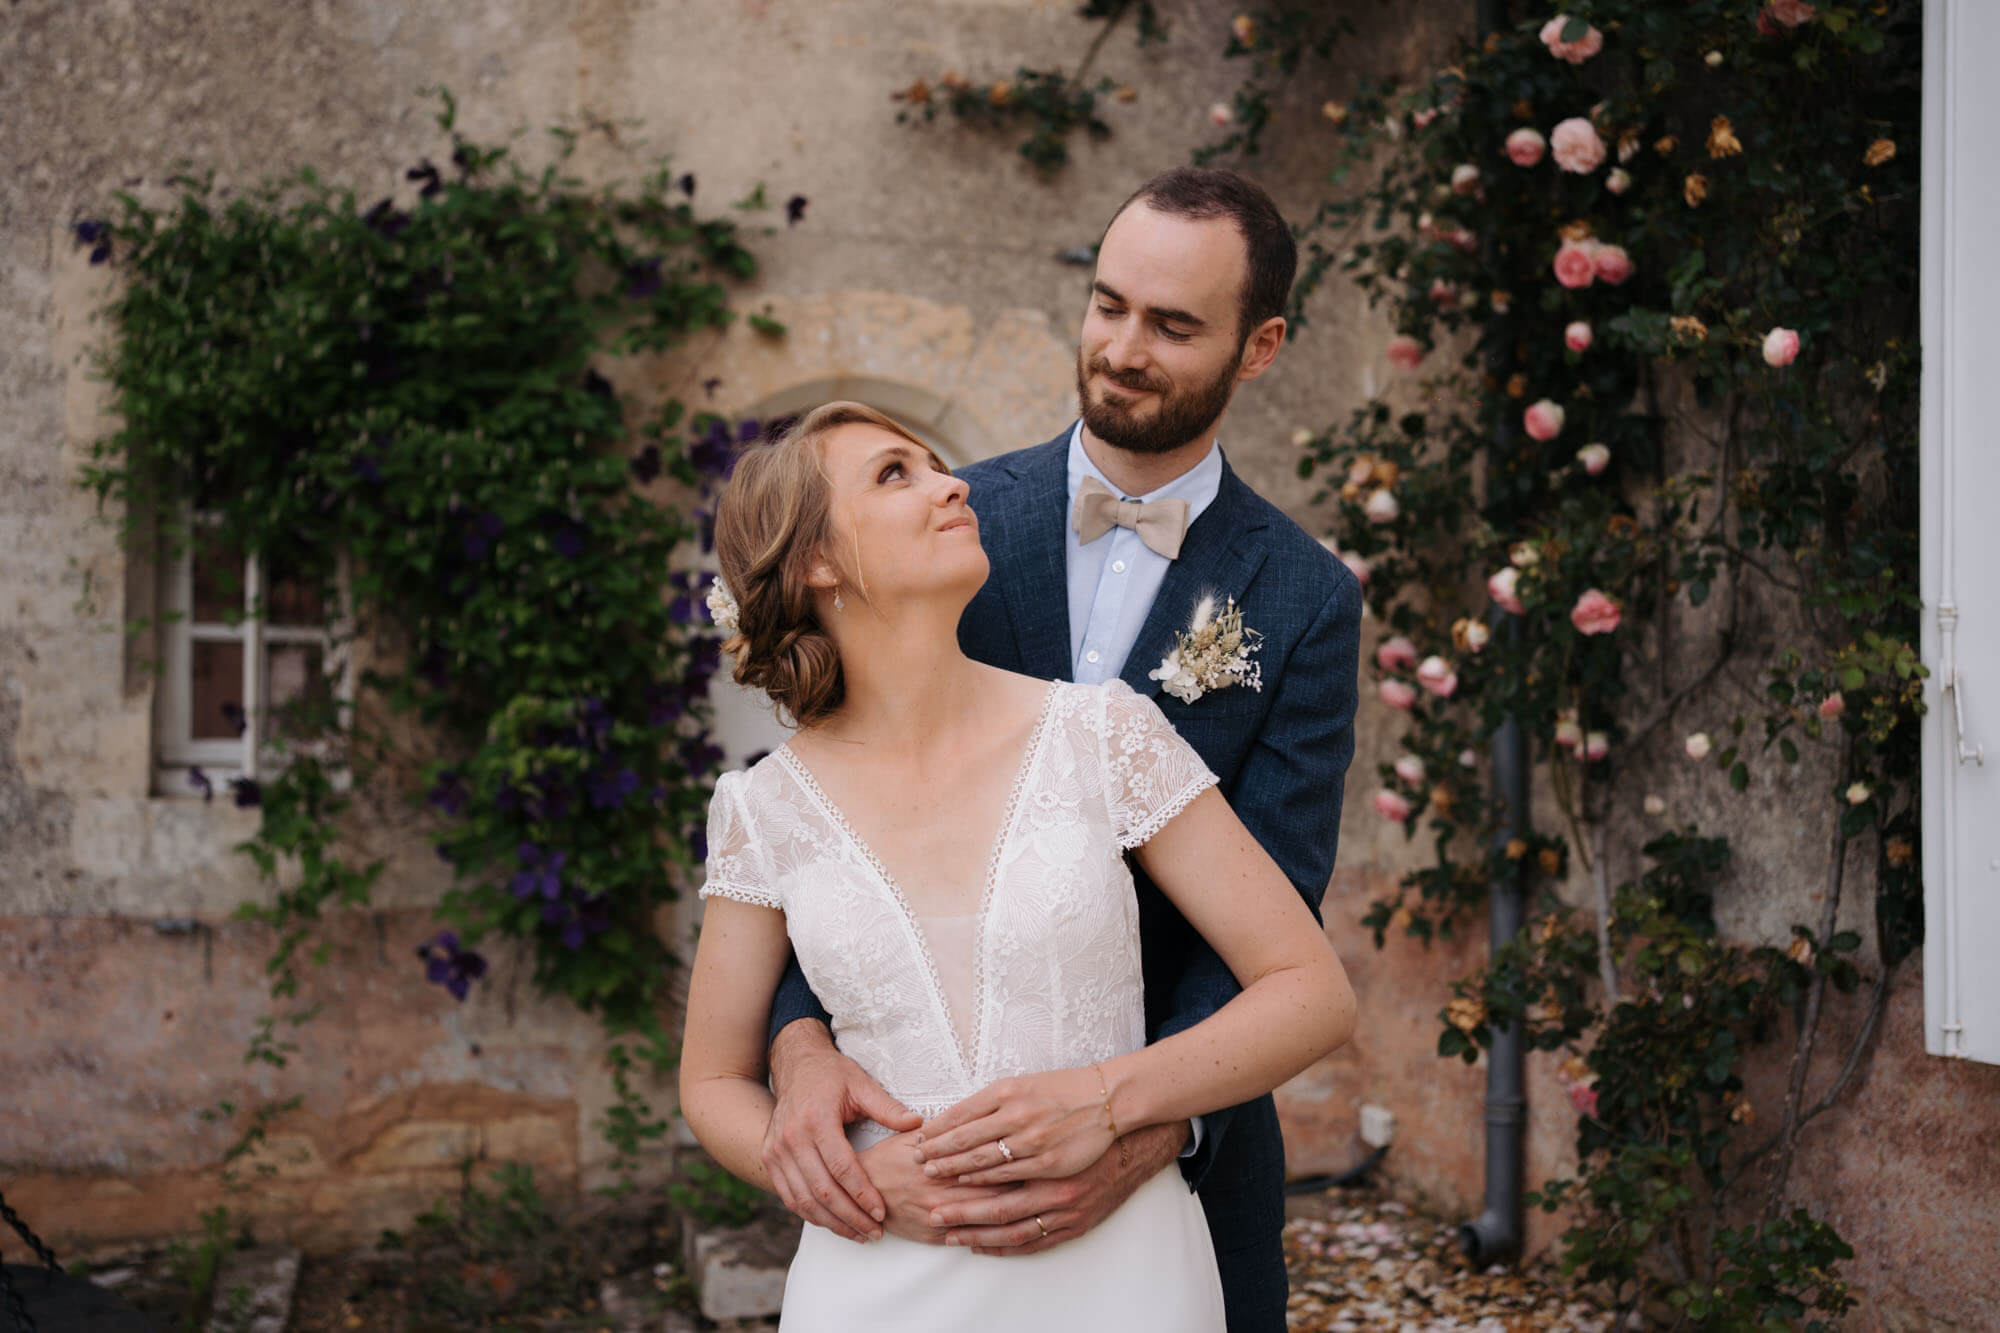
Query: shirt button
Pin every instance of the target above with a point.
(1091, 656)
(1117, 566)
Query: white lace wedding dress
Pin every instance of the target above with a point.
(1045, 976)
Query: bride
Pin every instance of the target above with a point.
(942, 843)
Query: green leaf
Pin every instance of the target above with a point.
(1739, 776)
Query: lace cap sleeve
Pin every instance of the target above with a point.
(734, 868)
(1150, 772)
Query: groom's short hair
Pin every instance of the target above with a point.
(1203, 193)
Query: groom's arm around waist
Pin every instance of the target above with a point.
(794, 1000)
(1288, 794)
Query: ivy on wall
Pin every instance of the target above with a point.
(410, 395)
(1651, 271)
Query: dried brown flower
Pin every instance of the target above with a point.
(1694, 189)
(1722, 140)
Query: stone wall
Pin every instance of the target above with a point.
(924, 278)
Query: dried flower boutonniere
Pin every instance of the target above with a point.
(1213, 654)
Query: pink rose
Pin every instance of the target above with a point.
(1832, 706)
(1575, 265)
(1791, 13)
(1358, 565)
(1476, 635)
(1435, 674)
(1569, 732)
(1543, 419)
(1594, 613)
(1422, 119)
(1468, 758)
(1577, 335)
(1781, 347)
(1524, 146)
(1583, 1096)
(1697, 745)
(1576, 146)
(1398, 694)
(1576, 52)
(1613, 264)
(1465, 179)
(1458, 238)
(1405, 352)
(1381, 507)
(1443, 295)
(1390, 805)
(1220, 113)
(1501, 587)
(1397, 654)
(1361, 471)
(1410, 769)
(1595, 746)
(1594, 457)
(1618, 180)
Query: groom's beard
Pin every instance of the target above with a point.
(1178, 416)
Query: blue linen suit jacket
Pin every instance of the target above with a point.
(1281, 754)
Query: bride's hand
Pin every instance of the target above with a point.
(1052, 1125)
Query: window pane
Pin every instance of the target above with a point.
(297, 691)
(217, 712)
(291, 597)
(218, 578)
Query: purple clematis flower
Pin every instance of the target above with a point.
(246, 792)
(608, 790)
(447, 965)
(428, 174)
(699, 754)
(385, 220)
(233, 714)
(687, 184)
(366, 468)
(643, 278)
(568, 541)
(449, 793)
(645, 464)
(199, 781)
(541, 873)
(795, 210)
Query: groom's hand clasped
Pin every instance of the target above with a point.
(819, 1091)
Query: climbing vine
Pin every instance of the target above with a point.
(402, 411)
(1634, 486)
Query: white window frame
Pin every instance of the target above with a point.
(1959, 476)
(222, 760)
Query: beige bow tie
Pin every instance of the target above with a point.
(1161, 524)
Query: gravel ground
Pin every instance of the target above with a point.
(1362, 1262)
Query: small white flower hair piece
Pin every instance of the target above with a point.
(722, 608)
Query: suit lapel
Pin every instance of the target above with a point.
(1031, 546)
(1219, 555)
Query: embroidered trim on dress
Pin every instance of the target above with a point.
(755, 897)
(1164, 814)
(1029, 763)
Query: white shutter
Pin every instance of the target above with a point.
(1961, 539)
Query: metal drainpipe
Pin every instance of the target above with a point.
(1495, 1235)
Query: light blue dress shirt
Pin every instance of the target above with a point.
(1113, 580)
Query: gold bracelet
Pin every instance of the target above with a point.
(1103, 1089)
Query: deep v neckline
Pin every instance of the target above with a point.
(1010, 812)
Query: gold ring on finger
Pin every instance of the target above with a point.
(1004, 1150)
(1043, 1225)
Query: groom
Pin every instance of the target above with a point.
(1101, 542)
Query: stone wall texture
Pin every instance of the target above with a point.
(924, 278)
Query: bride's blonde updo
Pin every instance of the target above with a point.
(775, 519)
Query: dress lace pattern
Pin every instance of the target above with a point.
(1056, 958)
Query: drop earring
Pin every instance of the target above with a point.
(838, 605)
